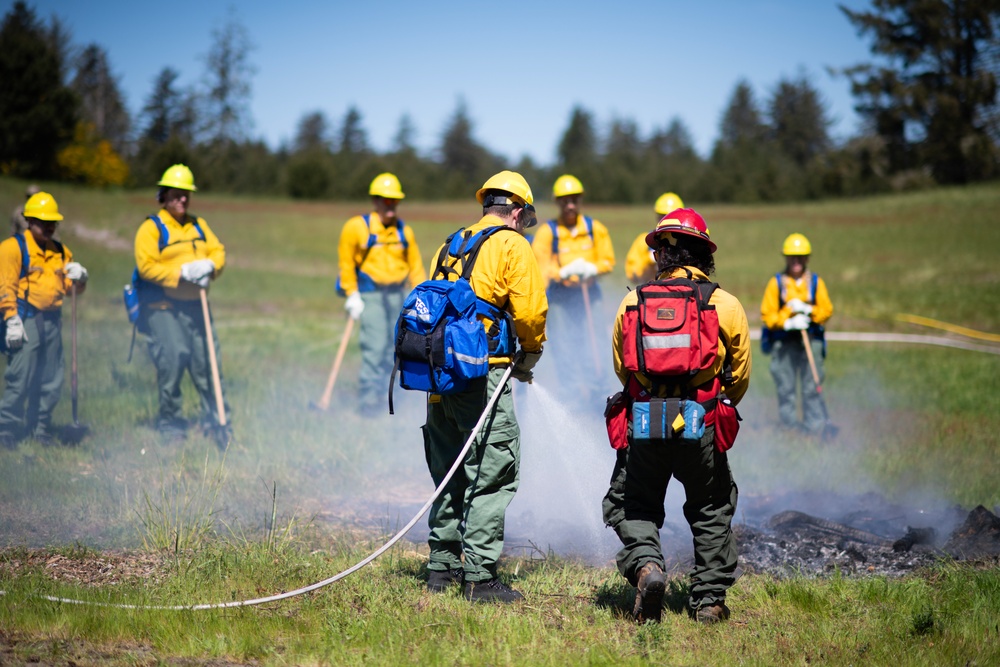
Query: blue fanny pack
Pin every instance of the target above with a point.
(658, 419)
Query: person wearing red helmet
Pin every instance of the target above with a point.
(690, 443)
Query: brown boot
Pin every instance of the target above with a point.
(712, 613)
(649, 594)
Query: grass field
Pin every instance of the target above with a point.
(301, 495)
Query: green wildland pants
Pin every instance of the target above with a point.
(633, 506)
(790, 366)
(177, 342)
(34, 376)
(378, 324)
(468, 517)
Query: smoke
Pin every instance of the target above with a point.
(566, 466)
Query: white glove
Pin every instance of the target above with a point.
(800, 306)
(574, 268)
(797, 322)
(76, 272)
(523, 365)
(587, 271)
(15, 333)
(354, 305)
(198, 272)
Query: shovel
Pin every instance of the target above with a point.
(829, 430)
(76, 431)
(220, 407)
(324, 401)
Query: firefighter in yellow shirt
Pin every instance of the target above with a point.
(467, 521)
(633, 505)
(177, 255)
(640, 263)
(36, 272)
(796, 301)
(379, 263)
(572, 252)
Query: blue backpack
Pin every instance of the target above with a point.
(365, 283)
(441, 344)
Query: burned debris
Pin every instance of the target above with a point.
(878, 541)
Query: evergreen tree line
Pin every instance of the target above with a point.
(929, 105)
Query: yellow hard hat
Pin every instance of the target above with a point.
(386, 185)
(567, 185)
(796, 244)
(507, 181)
(42, 206)
(668, 202)
(178, 176)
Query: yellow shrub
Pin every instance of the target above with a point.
(91, 160)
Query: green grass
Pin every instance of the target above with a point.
(302, 495)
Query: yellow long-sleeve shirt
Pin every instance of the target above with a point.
(774, 316)
(506, 274)
(574, 243)
(184, 244)
(388, 263)
(46, 283)
(734, 341)
(640, 265)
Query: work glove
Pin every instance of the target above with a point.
(800, 306)
(354, 305)
(578, 267)
(524, 364)
(15, 333)
(198, 272)
(570, 269)
(76, 272)
(797, 322)
(588, 270)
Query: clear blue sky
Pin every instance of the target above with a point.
(519, 66)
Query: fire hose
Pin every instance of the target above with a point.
(459, 460)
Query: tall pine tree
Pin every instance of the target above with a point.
(932, 99)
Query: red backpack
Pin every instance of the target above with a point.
(671, 333)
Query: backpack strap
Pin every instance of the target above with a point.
(812, 288)
(554, 226)
(162, 229)
(25, 260)
(22, 304)
(402, 236)
(781, 289)
(165, 233)
(473, 252)
(705, 290)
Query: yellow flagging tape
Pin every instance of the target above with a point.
(953, 328)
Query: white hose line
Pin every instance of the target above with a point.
(920, 339)
(459, 460)
(862, 337)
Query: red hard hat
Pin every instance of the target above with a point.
(684, 221)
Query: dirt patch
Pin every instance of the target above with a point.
(105, 238)
(87, 568)
(17, 649)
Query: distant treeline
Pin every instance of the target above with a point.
(929, 106)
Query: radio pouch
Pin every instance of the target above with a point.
(668, 419)
(616, 420)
